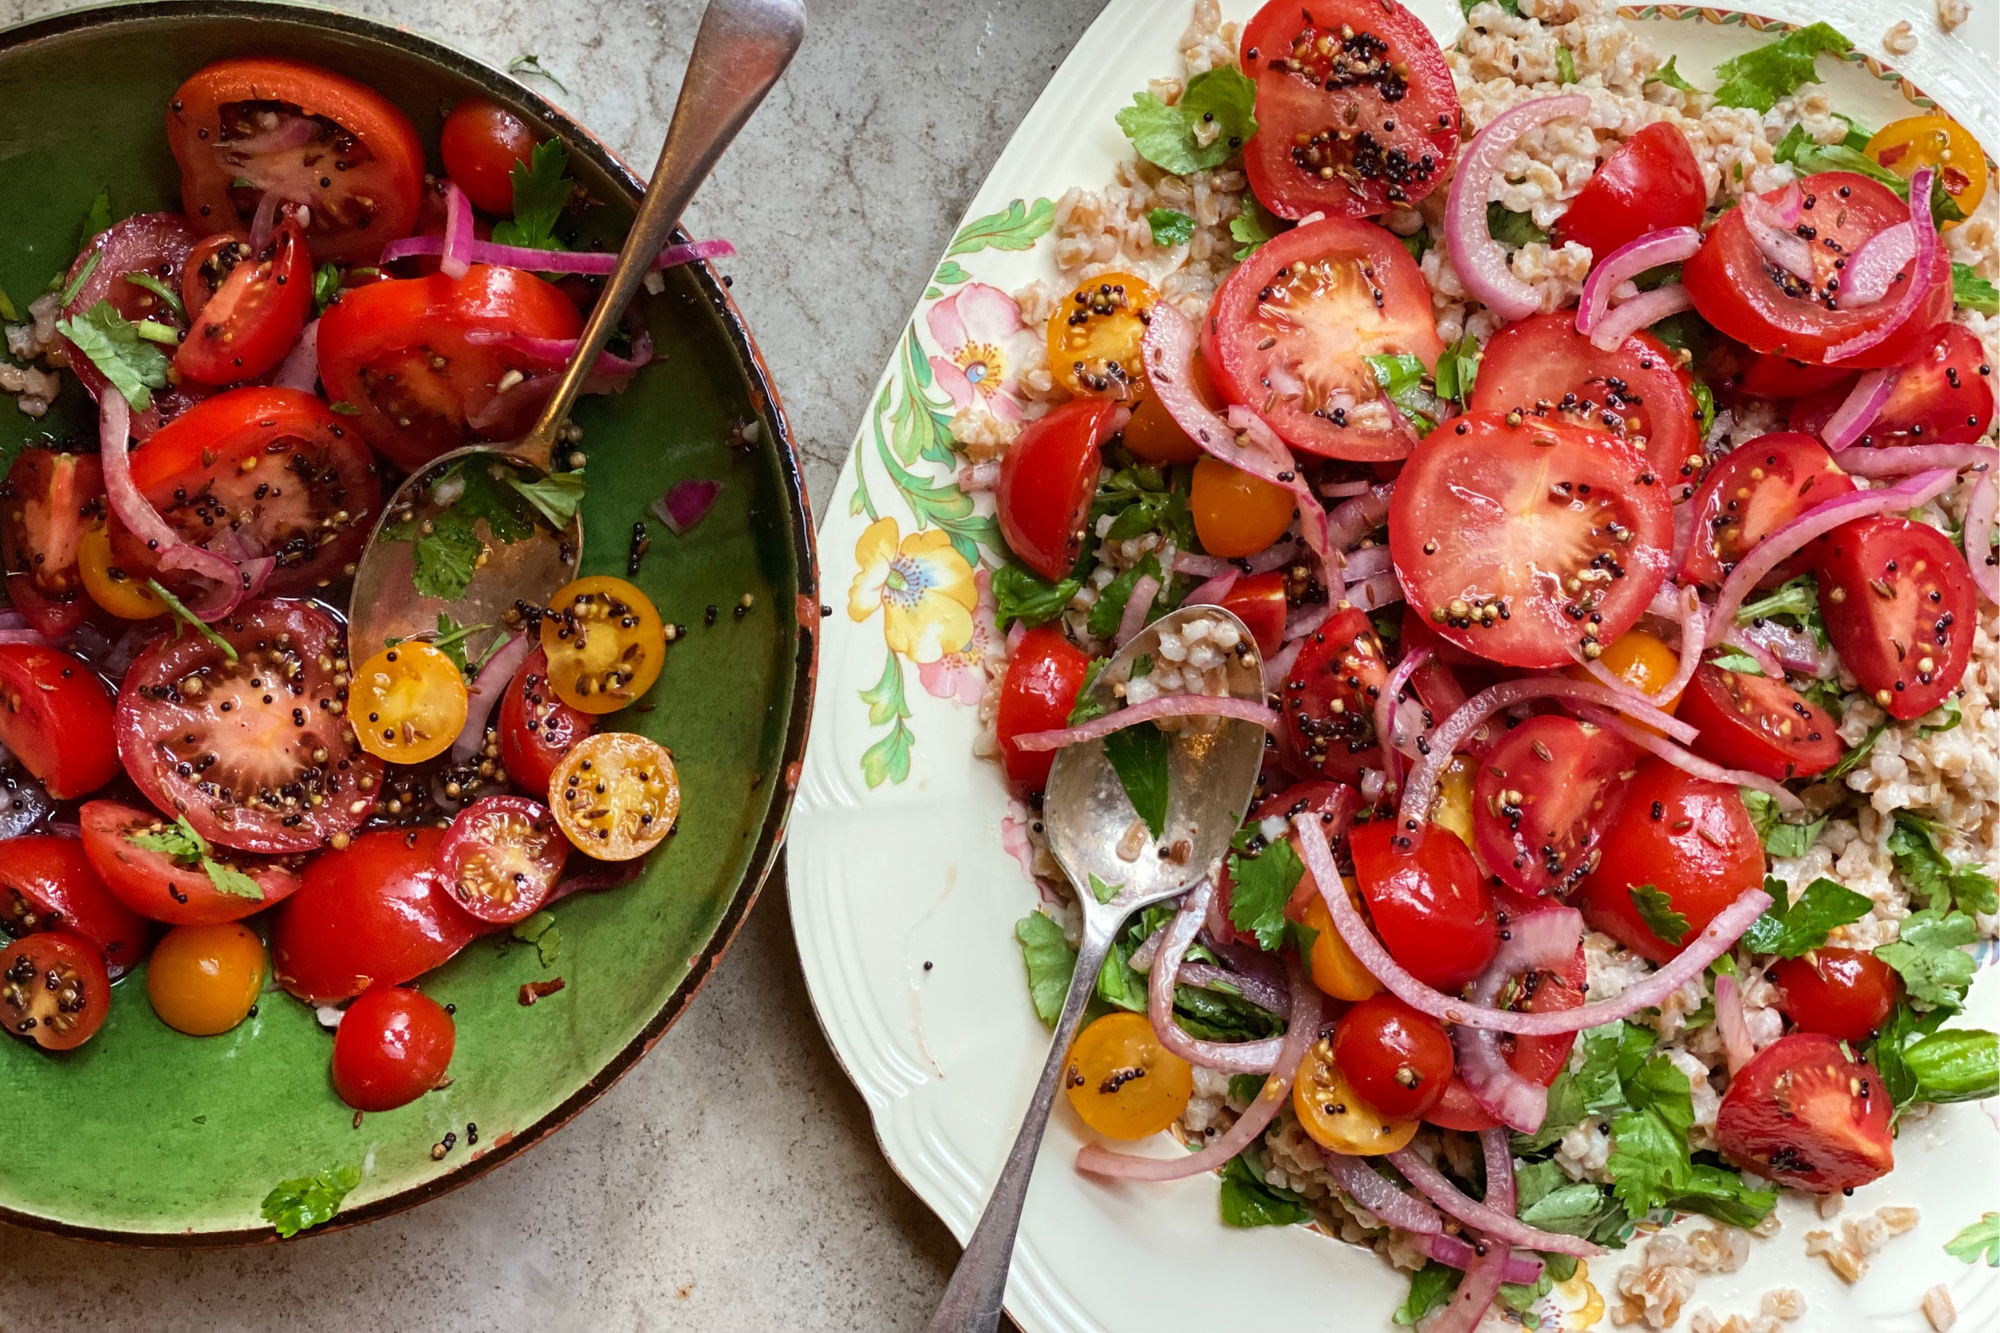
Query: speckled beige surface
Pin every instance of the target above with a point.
(731, 1180)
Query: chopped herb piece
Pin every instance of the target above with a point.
(1050, 961)
(185, 847)
(1757, 79)
(1212, 121)
(1170, 227)
(1656, 909)
(295, 1205)
(1140, 757)
(134, 366)
(1792, 929)
(187, 617)
(542, 188)
(1931, 956)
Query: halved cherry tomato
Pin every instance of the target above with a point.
(1356, 111)
(502, 857)
(1290, 329)
(53, 990)
(46, 503)
(1542, 367)
(1094, 337)
(1759, 724)
(373, 913)
(408, 702)
(536, 727)
(616, 795)
(481, 144)
(406, 355)
(172, 887)
(1043, 678)
(1650, 183)
(1945, 396)
(1536, 1057)
(392, 1047)
(1544, 797)
(1236, 514)
(242, 748)
(1258, 600)
(1047, 480)
(1335, 1117)
(110, 585)
(1907, 145)
(55, 715)
(50, 616)
(254, 317)
(209, 265)
(1123, 1083)
(1899, 608)
(1430, 905)
(1759, 304)
(47, 883)
(604, 642)
(151, 243)
(204, 980)
(1847, 994)
(1805, 1114)
(1335, 969)
(1690, 839)
(1642, 660)
(1534, 545)
(1396, 1058)
(1781, 377)
(1154, 436)
(1751, 493)
(252, 126)
(1329, 697)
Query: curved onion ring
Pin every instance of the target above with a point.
(1900, 460)
(1857, 412)
(114, 427)
(1979, 538)
(1691, 615)
(486, 690)
(1770, 226)
(1539, 942)
(1280, 662)
(1167, 705)
(1714, 941)
(1480, 260)
(455, 257)
(1385, 711)
(1388, 1201)
(1522, 1269)
(1210, 593)
(1492, 1221)
(590, 263)
(1922, 271)
(1351, 520)
(1736, 1043)
(1872, 269)
(1366, 562)
(1743, 643)
(1234, 1057)
(1271, 557)
(1693, 764)
(1375, 592)
(1641, 312)
(1670, 246)
(1137, 604)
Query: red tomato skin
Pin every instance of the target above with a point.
(46, 501)
(1931, 615)
(147, 882)
(1397, 1058)
(1846, 994)
(1431, 906)
(530, 753)
(55, 715)
(1780, 377)
(1652, 182)
(52, 876)
(1701, 850)
(1940, 398)
(1043, 679)
(1580, 780)
(50, 617)
(1047, 480)
(375, 913)
(480, 144)
(1758, 740)
(1805, 1114)
(392, 1047)
(1258, 600)
(1336, 745)
(1542, 1058)
(59, 948)
(470, 835)
(1799, 474)
(1459, 1109)
(254, 318)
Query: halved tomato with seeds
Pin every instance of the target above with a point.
(1898, 603)
(45, 504)
(1945, 396)
(253, 317)
(47, 883)
(616, 795)
(54, 991)
(536, 727)
(1751, 492)
(1543, 798)
(1806, 1114)
(502, 856)
(1757, 723)
(1328, 697)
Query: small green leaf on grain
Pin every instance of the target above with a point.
(1511, 228)
(1215, 117)
(1251, 230)
(1565, 65)
(1170, 226)
(1973, 292)
(1670, 76)
(1792, 929)
(1932, 875)
(1930, 954)
(1779, 838)
(1757, 79)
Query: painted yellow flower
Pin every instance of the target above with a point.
(924, 588)
(1577, 1300)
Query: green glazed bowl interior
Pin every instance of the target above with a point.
(151, 1137)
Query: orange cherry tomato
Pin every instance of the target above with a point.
(615, 795)
(605, 644)
(1095, 336)
(1123, 1082)
(408, 703)
(1334, 1117)
(203, 980)
(1236, 514)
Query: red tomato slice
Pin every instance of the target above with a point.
(1752, 492)
(374, 913)
(155, 243)
(1047, 480)
(47, 883)
(1459, 1109)
(1781, 377)
(60, 1016)
(392, 1047)
(1329, 698)
(1044, 676)
(254, 317)
(44, 504)
(502, 857)
(399, 352)
(537, 728)
(163, 888)
(1430, 905)
(1289, 330)
(1805, 1114)
(1753, 301)
(251, 126)
(1945, 396)
(1899, 608)
(1543, 798)
(1544, 368)
(1258, 600)
(55, 715)
(481, 144)
(1650, 183)
(1529, 544)
(241, 748)
(1759, 724)
(1847, 994)
(1356, 110)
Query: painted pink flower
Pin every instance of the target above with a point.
(961, 675)
(985, 347)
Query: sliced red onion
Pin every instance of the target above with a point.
(1374, 785)
(1467, 1308)
(264, 221)
(1375, 592)
(685, 504)
(1693, 764)
(1523, 1270)
(1246, 1057)
(1743, 643)
(1979, 539)
(487, 687)
(1496, 1224)
(1860, 408)
(1539, 942)
(1307, 619)
(1922, 271)
(1141, 960)
(591, 263)
(557, 351)
(1641, 312)
(1775, 549)
(1312, 515)
(1254, 989)
(1209, 593)
(1793, 650)
(1902, 459)
(300, 368)
(25, 636)
(1385, 711)
(976, 477)
(1168, 705)
(1276, 556)
(1670, 246)
(1137, 607)
(1201, 566)
(455, 257)
(1714, 941)
(1774, 236)
(1480, 260)
(114, 424)
(612, 875)
(1871, 270)
(1498, 1150)
(123, 653)
(1351, 520)
(1386, 1200)
(1367, 561)
(1729, 1021)
(1340, 490)
(1280, 662)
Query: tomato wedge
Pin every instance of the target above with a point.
(176, 889)
(1047, 480)
(502, 856)
(1650, 183)
(152, 243)
(536, 727)
(1899, 608)
(1534, 545)
(1759, 724)
(45, 504)
(54, 991)
(1430, 905)
(1753, 491)
(1044, 675)
(255, 316)
(1806, 1114)
(1328, 698)
(55, 715)
(1543, 798)
(1258, 600)
(47, 883)
(1945, 396)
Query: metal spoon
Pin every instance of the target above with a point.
(739, 52)
(1212, 777)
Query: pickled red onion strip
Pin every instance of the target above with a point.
(1522, 1269)
(1385, 711)
(486, 690)
(1900, 460)
(1693, 764)
(1496, 1224)
(1387, 1200)
(1857, 412)
(590, 263)
(1871, 270)
(1671, 245)
(1979, 539)
(1539, 942)
(455, 258)
(1246, 1057)
(1736, 1043)
(1170, 705)
(1499, 1153)
(1481, 261)
(1133, 619)
(1641, 312)
(114, 427)
(1209, 593)
(1922, 270)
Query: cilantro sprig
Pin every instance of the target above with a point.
(294, 1205)
(134, 365)
(542, 189)
(185, 847)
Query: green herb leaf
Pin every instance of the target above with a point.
(1262, 885)
(556, 496)
(326, 286)
(1779, 838)
(1704, 400)
(1974, 292)
(186, 847)
(190, 619)
(1649, 1149)
(1796, 603)
(1565, 65)
(1109, 608)
(1050, 962)
(1223, 98)
(1088, 708)
(1656, 909)
(1417, 242)
(1020, 594)
(1955, 1065)
(1432, 1285)
(444, 559)
(1670, 76)
(165, 291)
(1511, 8)
(1139, 756)
(541, 190)
(540, 930)
(295, 1205)
(1856, 755)
(1512, 229)
(1247, 1201)
(1251, 230)
(1718, 1192)
(1170, 226)
(1791, 929)
(1757, 79)
(1931, 957)
(1979, 1241)
(1741, 663)
(1402, 379)
(1458, 370)
(134, 366)
(1933, 876)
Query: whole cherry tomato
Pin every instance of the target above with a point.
(392, 1047)
(1430, 904)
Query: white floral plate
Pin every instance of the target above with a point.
(903, 889)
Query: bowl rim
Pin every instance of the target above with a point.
(769, 844)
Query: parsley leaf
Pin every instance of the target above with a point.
(1929, 953)
(1250, 228)
(187, 848)
(1656, 909)
(541, 931)
(1670, 76)
(1248, 1201)
(1720, 1193)
(445, 558)
(1974, 292)
(1402, 379)
(541, 188)
(134, 366)
(1170, 226)
(1261, 886)
(1139, 755)
(1779, 838)
(1979, 1241)
(1050, 962)
(295, 1205)
(1432, 1285)
(1757, 79)
(1511, 8)
(1942, 884)
(1511, 228)
(1109, 608)
(1790, 929)
(1020, 594)
(1649, 1148)
(555, 496)
(1852, 760)
(1222, 99)
(1795, 602)
(1741, 663)
(326, 286)
(1458, 369)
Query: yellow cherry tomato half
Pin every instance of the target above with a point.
(604, 642)
(203, 979)
(109, 586)
(1095, 335)
(1907, 145)
(1122, 1082)
(1235, 513)
(408, 703)
(1334, 1117)
(615, 795)
(1453, 808)
(1642, 660)
(1335, 969)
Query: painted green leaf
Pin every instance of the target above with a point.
(1016, 229)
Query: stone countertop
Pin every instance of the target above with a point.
(731, 1180)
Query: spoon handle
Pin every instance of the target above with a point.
(972, 1302)
(739, 51)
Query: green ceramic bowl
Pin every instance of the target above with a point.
(145, 1136)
